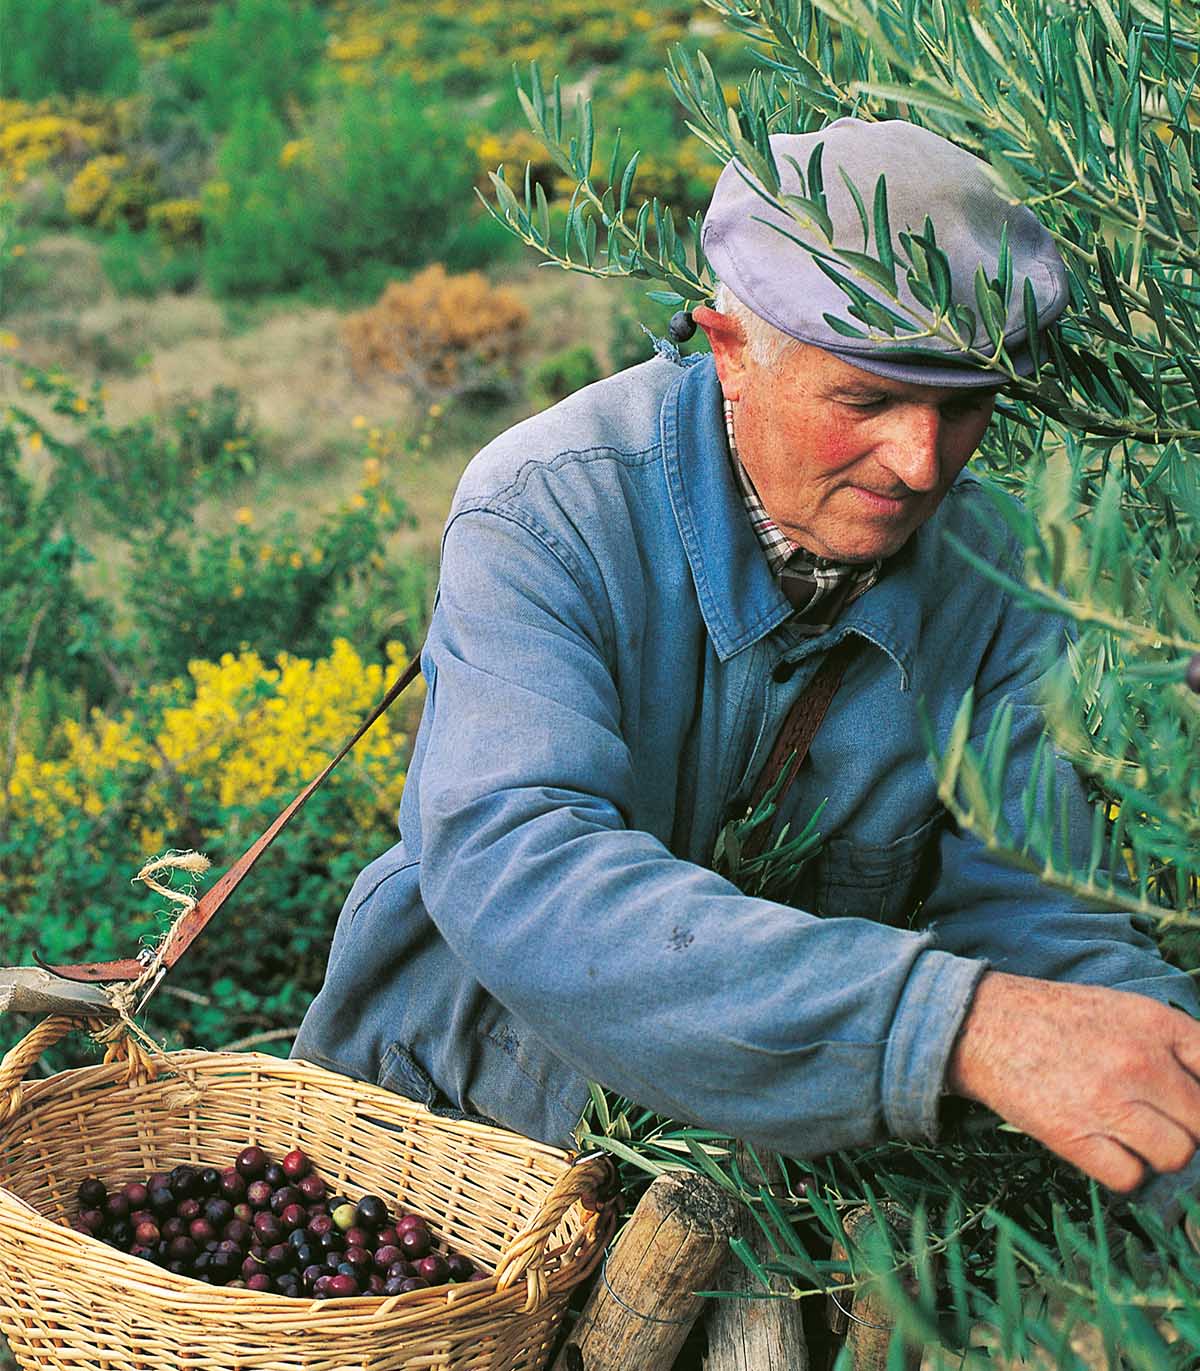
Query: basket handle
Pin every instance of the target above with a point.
(19, 1058)
(591, 1178)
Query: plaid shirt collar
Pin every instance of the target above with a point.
(818, 588)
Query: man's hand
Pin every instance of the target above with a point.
(1107, 1079)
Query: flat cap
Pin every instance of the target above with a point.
(751, 245)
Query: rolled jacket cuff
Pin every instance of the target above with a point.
(935, 1002)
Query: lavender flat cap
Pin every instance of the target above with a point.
(781, 281)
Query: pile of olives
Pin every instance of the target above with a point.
(271, 1227)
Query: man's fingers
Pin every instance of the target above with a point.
(1110, 1163)
(1160, 1141)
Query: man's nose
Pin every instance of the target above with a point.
(912, 452)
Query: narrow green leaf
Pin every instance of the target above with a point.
(883, 234)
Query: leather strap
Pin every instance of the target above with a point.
(189, 928)
(798, 730)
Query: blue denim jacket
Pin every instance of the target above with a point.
(608, 663)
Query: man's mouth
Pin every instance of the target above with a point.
(878, 501)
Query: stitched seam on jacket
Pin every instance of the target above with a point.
(521, 519)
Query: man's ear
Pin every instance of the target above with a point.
(728, 344)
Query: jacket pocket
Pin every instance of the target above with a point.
(884, 882)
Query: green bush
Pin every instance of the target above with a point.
(257, 226)
(62, 47)
(141, 264)
(270, 589)
(254, 50)
(376, 176)
(49, 625)
(567, 371)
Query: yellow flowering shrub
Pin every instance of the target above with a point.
(176, 221)
(206, 762)
(29, 143)
(93, 187)
(243, 733)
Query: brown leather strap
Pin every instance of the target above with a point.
(795, 736)
(189, 928)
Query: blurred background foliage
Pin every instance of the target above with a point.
(254, 320)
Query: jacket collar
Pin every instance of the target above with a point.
(739, 598)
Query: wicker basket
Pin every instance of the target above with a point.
(68, 1300)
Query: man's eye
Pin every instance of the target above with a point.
(865, 402)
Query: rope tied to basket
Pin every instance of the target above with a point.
(121, 1037)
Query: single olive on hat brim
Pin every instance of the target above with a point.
(771, 261)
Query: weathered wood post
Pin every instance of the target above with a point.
(642, 1306)
(754, 1334)
(863, 1318)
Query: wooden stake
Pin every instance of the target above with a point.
(642, 1305)
(868, 1324)
(754, 1334)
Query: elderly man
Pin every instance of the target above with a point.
(636, 587)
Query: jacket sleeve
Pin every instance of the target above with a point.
(645, 972)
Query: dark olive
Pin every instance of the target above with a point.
(371, 1212)
(91, 1193)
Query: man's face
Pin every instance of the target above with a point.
(849, 464)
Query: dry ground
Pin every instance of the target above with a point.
(287, 360)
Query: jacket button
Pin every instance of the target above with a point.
(783, 672)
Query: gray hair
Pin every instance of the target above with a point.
(766, 344)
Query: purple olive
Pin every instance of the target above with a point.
(92, 1220)
(267, 1228)
(312, 1187)
(284, 1196)
(218, 1212)
(258, 1194)
(182, 1250)
(210, 1181)
(434, 1269)
(399, 1270)
(320, 1224)
(201, 1231)
(413, 1283)
(394, 1285)
(280, 1257)
(461, 1268)
(359, 1258)
(116, 1207)
(244, 1211)
(358, 1236)
(274, 1175)
(188, 1210)
(174, 1227)
(251, 1163)
(374, 1284)
(385, 1256)
(137, 1195)
(342, 1287)
(147, 1234)
(258, 1281)
(415, 1242)
(237, 1231)
(233, 1184)
(295, 1165)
